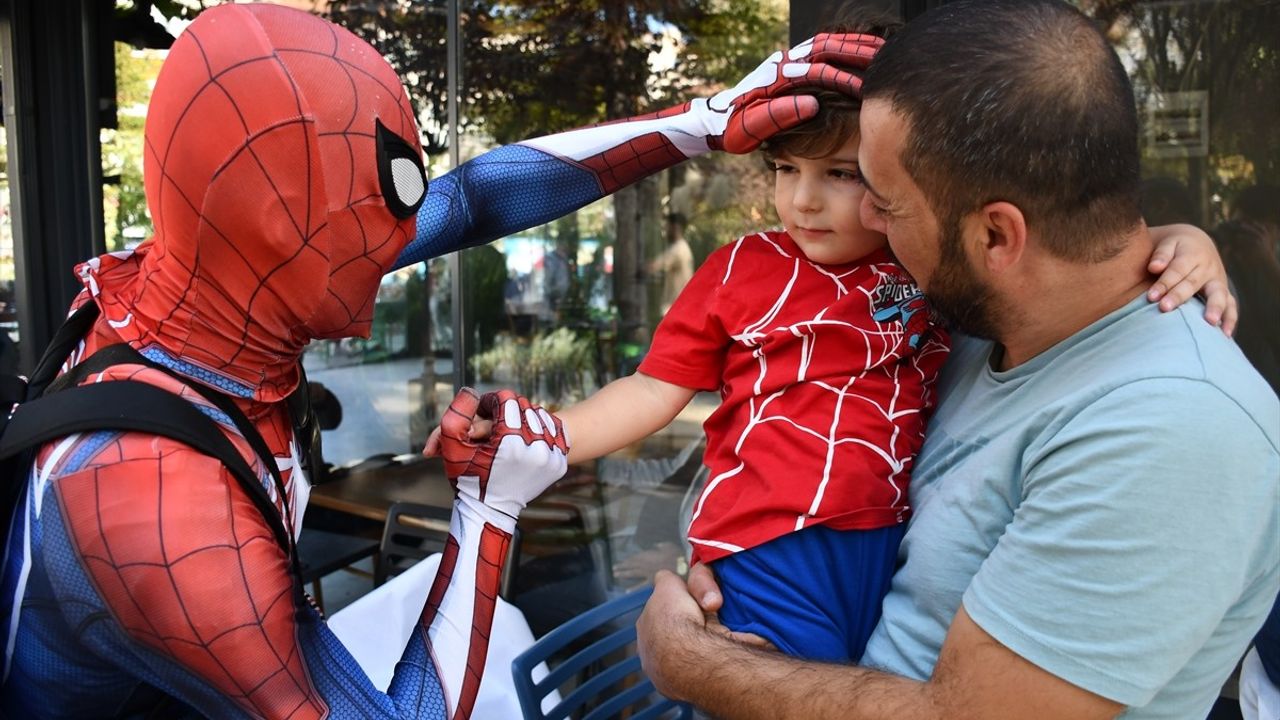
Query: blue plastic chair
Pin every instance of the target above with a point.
(596, 695)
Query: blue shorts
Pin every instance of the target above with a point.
(814, 593)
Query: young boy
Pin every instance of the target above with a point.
(825, 356)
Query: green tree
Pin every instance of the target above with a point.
(1229, 49)
(125, 200)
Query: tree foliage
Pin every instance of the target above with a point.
(1231, 50)
(532, 67)
(125, 201)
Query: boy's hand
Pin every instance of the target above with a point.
(479, 432)
(526, 451)
(1188, 262)
(765, 102)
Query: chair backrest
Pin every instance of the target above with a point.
(413, 531)
(611, 682)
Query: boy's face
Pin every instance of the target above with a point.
(818, 200)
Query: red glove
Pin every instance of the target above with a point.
(764, 103)
(525, 453)
(737, 120)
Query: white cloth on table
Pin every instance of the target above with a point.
(376, 627)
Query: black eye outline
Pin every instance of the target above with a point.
(392, 147)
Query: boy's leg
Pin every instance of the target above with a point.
(814, 593)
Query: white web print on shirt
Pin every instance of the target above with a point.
(882, 347)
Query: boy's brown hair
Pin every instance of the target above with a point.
(835, 123)
(837, 118)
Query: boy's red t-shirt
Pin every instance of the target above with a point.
(826, 376)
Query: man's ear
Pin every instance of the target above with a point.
(1000, 230)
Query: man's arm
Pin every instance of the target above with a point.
(533, 182)
(1141, 545)
(666, 260)
(690, 658)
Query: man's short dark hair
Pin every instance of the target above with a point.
(1022, 101)
(835, 123)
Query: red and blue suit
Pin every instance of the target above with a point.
(284, 177)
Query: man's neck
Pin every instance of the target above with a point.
(1063, 298)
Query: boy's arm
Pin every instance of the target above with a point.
(624, 411)
(1189, 263)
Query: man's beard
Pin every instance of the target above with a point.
(957, 294)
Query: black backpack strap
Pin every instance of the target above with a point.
(306, 428)
(13, 389)
(64, 340)
(122, 354)
(129, 405)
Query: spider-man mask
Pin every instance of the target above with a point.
(283, 174)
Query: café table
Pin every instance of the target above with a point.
(369, 488)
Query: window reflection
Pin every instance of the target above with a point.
(126, 220)
(1208, 89)
(394, 384)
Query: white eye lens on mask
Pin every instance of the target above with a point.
(400, 173)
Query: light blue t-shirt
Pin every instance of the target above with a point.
(1109, 510)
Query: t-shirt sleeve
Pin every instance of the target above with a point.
(690, 343)
(1138, 534)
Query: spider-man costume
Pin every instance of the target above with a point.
(284, 177)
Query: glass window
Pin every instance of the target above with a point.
(1206, 77)
(126, 220)
(557, 311)
(392, 386)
